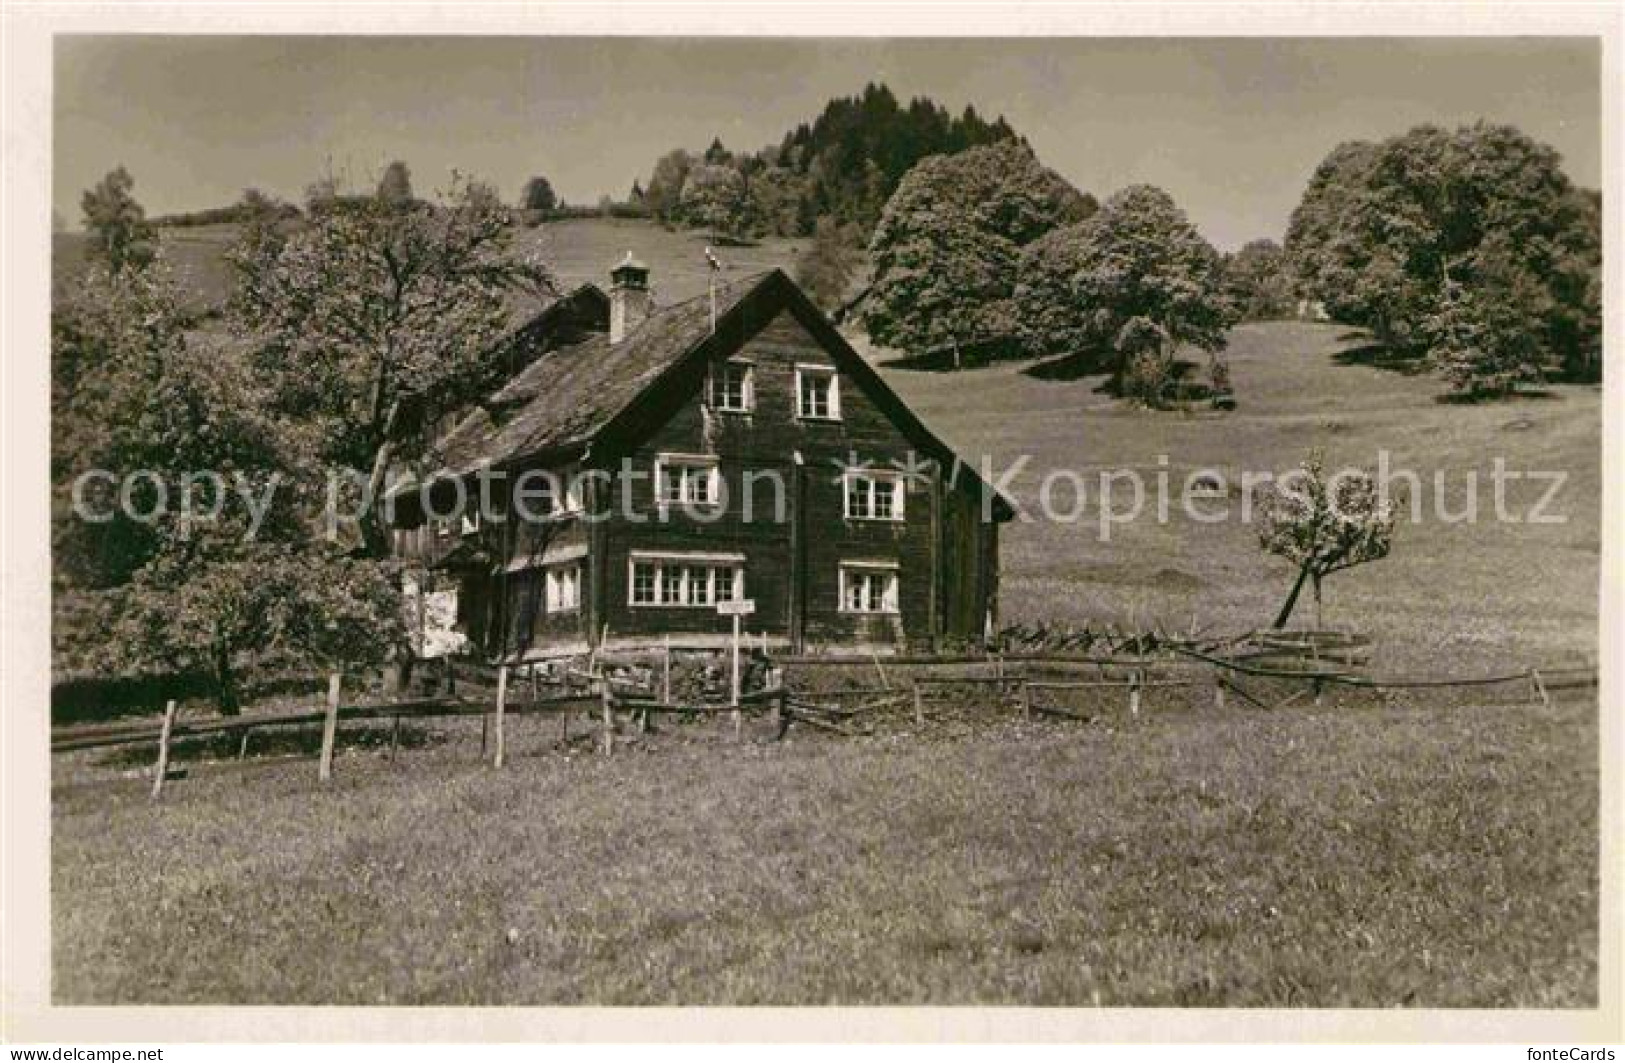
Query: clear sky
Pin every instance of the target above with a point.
(1231, 127)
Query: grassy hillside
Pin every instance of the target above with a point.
(1453, 596)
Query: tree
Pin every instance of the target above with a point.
(849, 159)
(1147, 281)
(371, 322)
(716, 154)
(307, 607)
(1384, 231)
(1479, 337)
(1257, 282)
(665, 190)
(1052, 319)
(1323, 525)
(714, 198)
(395, 188)
(114, 338)
(826, 267)
(773, 197)
(120, 235)
(538, 195)
(234, 573)
(948, 245)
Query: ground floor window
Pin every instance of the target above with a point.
(697, 581)
(868, 587)
(564, 588)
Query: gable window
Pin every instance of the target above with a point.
(685, 480)
(733, 387)
(564, 588)
(696, 581)
(818, 393)
(544, 494)
(868, 587)
(874, 496)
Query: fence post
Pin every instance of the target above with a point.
(1540, 688)
(609, 718)
(502, 708)
(242, 744)
(163, 748)
(1134, 693)
(919, 705)
(1218, 688)
(1026, 700)
(665, 673)
(394, 736)
(330, 727)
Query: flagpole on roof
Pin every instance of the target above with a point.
(716, 266)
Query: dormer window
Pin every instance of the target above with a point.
(818, 393)
(733, 387)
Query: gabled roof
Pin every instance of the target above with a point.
(570, 397)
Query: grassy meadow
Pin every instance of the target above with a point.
(1360, 854)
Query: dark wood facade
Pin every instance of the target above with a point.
(825, 570)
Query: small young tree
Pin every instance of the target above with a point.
(1323, 525)
(120, 235)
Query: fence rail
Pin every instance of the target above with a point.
(599, 697)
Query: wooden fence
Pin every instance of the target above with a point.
(604, 700)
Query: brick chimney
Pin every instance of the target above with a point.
(628, 297)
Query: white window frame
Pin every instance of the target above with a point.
(563, 587)
(868, 571)
(865, 481)
(832, 394)
(686, 465)
(747, 386)
(681, 570)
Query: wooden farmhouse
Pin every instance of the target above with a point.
(732, 446)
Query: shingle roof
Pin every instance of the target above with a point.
(568, 395)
